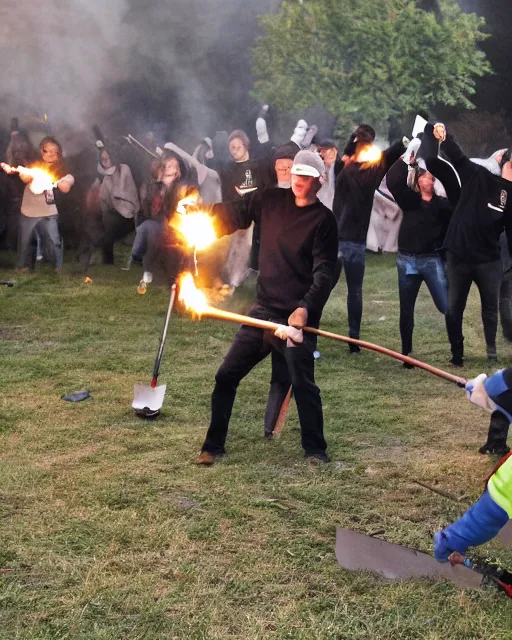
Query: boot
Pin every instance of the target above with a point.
(497, 436)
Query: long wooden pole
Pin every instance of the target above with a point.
(219, 314)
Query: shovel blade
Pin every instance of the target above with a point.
(360, 552)
(145, 398)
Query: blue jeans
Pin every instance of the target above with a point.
(48, 229)
(412, 271)
(352, 258)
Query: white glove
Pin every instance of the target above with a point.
(99, 144)
(292, 335)
(299, 132)
(261, 130)
(477, 394)
(412, 150)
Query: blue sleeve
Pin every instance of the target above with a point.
(481, 522)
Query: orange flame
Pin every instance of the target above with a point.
(196, 227)
(190, 295)
(370, 154)
(41, 179)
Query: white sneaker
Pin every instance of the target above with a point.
(147, 277)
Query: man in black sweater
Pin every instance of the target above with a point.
(297, 257)
(472, 242)
(353, 200)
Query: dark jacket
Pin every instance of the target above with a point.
(355, 188)
(298, 249)
(424, 224)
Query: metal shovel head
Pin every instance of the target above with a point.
(360, 552)
(147, 401)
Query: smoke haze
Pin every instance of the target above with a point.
(118, 61)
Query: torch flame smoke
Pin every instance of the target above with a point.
(197, 227)
(190, 295)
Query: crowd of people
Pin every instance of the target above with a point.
(299, 214)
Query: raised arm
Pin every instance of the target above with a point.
(396, 181)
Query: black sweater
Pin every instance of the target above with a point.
(355, 190)
(241, 178)
(424, 224)
(483, 211)
(298, 249)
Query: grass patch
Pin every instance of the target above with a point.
(108, 531)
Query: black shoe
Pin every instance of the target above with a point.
(457, 361)
(494, 449)
(354, 348)
(492, 356)
(407, 365)
(268, 435)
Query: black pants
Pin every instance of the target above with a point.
(498, 431)
(116, 228)
(487, 277)
(251, 346)
(506, 305)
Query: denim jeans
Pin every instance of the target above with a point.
(412, 271)
(51, 242)
(352, 258)
(148, 242)
(461, 275)
(250, 346)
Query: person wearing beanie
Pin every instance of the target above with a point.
(484, 519)
(283, 163)
(364, 168)
(298, 253)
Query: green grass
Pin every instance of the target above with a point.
(108, 531)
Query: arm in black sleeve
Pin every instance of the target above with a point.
(325, 254)
(462, 164)
(508, 227)
(396, 181)
(231, 216)
(393, 153)
(441, 169)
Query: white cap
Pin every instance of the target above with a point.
(308, 163)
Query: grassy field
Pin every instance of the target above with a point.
(109, 531)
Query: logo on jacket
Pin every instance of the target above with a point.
(247, 185)
(503, 198)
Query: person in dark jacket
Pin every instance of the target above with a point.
(472, 241)
(425, 220)
(298, 254)
(365, 166)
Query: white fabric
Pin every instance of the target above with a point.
(118, 192)
(477, 394)
(326, 193)
(261, 130)
(299, 132)
(385, 222)
(292, 335)
(209, 181)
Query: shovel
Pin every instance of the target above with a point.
(148, 399)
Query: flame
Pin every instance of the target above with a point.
(41, 179)
(190, 295)
(370, 154)
(197, 227)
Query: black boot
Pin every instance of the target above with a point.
(497, 436)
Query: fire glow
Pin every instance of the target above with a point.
(41, 179)
(193, 299)
(370, 154)
(196, 227)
